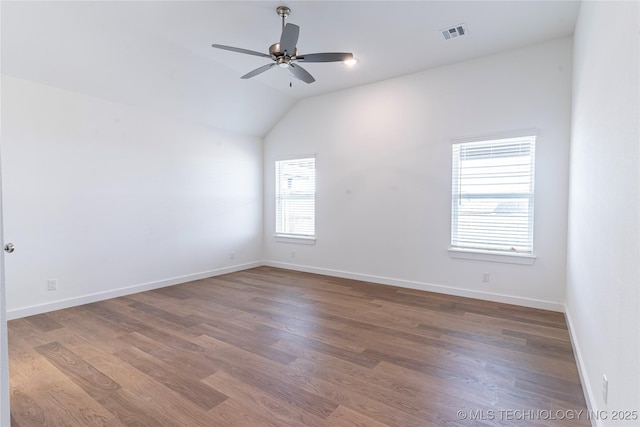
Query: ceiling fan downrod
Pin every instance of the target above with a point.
(283, 12)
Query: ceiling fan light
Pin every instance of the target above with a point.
(351, 62)
(282, 61)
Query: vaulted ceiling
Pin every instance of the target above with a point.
(157, 54)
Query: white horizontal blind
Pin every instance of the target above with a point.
(296, 196)
(492, 195)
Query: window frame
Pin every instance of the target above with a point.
(492, 254)
(279, 235)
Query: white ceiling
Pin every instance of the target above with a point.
(157, 54)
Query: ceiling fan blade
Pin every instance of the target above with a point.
(325, 57)
(289, 39)
(257, 71)
(301, 73)
(240, 50)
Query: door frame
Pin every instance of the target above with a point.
(4, 342)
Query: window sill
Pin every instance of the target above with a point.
(291, 238)
(492, 256)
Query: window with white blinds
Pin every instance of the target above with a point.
(296, 197)
(493, 195)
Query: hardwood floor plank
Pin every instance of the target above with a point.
(491, 322)
(359, 358)
(57, 395)
(543, 345)
(271, 377)
(271, 347)
(245, 341)
(176, 292)
(158, 313)
(360, 401)
(237, 359)
(353, 389)
(63, 402)
(194, 391)
(25, 410)
(167, 304)
(82, 373)
(287, 392)
(128, 307)
(319, 361)
(43, 322)
(22, 329)
(99, 386)
(89, 328)
(156, 397)
(284, 412)
(130, 410)
(391, 391)
(25, 364)
(267, 327)
(182, 361)
(447, 392)
(345, 417)
(233, 413)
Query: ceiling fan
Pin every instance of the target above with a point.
(285, 54)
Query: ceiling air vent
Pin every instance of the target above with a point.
(453, 32)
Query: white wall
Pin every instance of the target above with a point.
(110, 199)
(603, 271)
(119, 51)
(384, 173)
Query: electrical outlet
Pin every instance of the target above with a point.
(605, 389)
(52, 284)
(485, 277)
(232, 255)
(293, 254)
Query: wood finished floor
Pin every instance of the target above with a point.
(270, 347)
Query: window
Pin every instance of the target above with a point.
(493, 194)
(296, 197)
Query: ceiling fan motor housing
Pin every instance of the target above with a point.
(274, 50)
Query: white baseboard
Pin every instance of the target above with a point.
(487, 296)
(100, 296)
(87, 299)
(582, 370)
